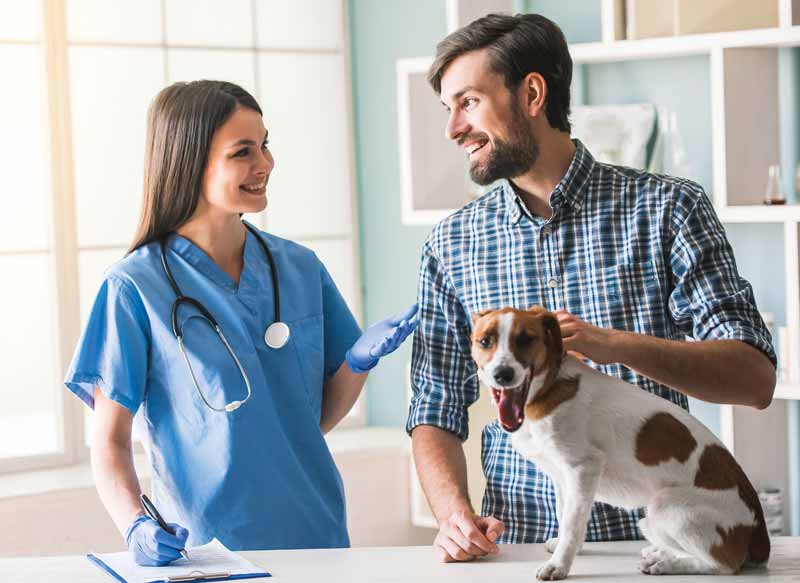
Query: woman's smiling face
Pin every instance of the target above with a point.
(239, 165)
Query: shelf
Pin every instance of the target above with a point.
(787, 391)
(681, 46)
(758, 213)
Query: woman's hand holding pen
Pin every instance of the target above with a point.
(151, 545)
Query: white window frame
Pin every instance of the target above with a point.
(64, 252)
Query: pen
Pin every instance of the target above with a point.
(151, 511)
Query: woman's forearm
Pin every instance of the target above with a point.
(112, 461)
(117, 483)
(338, 396)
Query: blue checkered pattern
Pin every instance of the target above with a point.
(625, 250)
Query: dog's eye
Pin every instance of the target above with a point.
(485, 342)
(525, 340)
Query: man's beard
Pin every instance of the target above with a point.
(508, 158)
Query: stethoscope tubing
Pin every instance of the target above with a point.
(178, 330)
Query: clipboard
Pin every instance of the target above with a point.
(121, 568)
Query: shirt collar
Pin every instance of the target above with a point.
(201, 261)
(570, 190)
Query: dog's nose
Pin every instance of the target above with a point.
(503, 374)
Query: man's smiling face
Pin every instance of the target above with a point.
(486, 119)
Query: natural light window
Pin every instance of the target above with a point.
(73, 131)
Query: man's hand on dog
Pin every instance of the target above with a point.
(465, 536)
(586, 340)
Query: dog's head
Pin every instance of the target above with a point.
(518, 352)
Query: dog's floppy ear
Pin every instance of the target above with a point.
(478, 315)
(552, 333)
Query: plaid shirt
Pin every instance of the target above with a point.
(624, 249)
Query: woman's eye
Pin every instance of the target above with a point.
(241, 153)
(469, 102)
(265, 144)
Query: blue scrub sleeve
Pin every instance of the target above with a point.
(341, 328)
(112, 351)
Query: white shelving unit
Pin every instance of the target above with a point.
(744, 79)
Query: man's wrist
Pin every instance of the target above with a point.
(454, 508)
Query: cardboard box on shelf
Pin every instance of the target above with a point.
(653, 18)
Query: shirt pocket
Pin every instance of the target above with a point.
(632, 296)
(307, 342)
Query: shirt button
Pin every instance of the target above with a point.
(553, 282)
(546, 231)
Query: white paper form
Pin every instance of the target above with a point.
(207, 559)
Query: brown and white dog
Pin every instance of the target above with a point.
(601, 438)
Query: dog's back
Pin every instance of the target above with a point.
(653, 446)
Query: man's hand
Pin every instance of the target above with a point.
(587, 340)
(465, 536)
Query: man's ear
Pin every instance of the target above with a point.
(534, 89)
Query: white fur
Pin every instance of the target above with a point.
(587, 446)
(502, 355)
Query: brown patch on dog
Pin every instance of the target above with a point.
(483, 328)
(550, 397)
(662, 438)
(718, 470)
(554, 346)
(534, 337)
(732, 552)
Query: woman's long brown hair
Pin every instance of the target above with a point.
(181, 123)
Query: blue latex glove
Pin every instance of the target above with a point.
(381, 339)
(151, 545)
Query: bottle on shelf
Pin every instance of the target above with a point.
(774, 191)
(673, 151)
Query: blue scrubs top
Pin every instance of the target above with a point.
(261, 477)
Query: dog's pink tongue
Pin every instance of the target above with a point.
(510, 411)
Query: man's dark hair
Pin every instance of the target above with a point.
(516, 45)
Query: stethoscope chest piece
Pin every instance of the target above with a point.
(277, 335)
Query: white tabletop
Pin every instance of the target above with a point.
(613, 562)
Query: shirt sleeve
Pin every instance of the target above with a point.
(113, 349)
(443, 375)
(710, 300)
(340, 327)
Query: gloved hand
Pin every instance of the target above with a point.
(151, 545)
(381, 339)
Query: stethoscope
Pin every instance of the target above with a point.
(275, 336)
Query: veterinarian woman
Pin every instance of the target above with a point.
(233, 345)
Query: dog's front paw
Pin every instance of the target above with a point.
(648, 550)
(657, 562)
(551, 571)
(551, 544)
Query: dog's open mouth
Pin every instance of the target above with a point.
(510, 403)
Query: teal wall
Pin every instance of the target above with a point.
(579, 26)
(382, 32)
